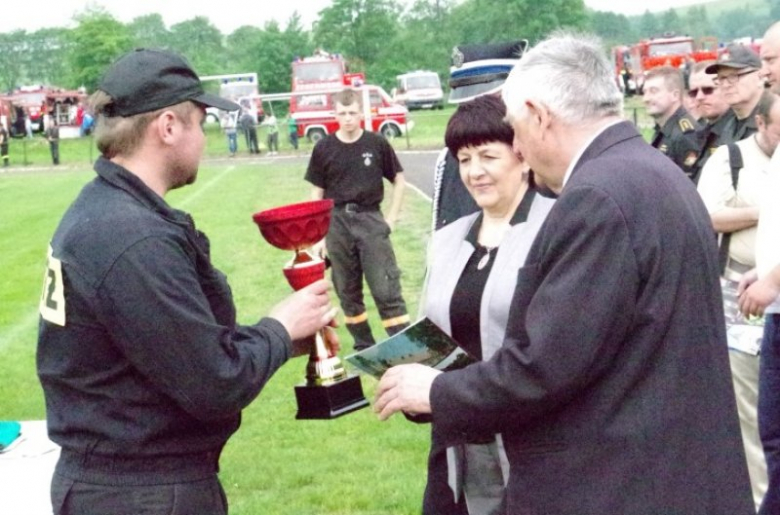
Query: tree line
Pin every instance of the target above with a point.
(378, 37)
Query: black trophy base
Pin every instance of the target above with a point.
(330, 401)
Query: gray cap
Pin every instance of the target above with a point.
(736, 57)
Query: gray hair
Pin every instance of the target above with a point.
(570, 75)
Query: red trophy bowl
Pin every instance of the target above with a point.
(329, 391)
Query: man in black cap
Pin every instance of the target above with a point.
(144, 368)
(476, 70)
(675, 130)
(736, 74)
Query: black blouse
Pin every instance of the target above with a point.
(467, 297)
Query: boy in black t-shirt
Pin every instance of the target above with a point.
(348, 167)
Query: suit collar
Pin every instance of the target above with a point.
(607, 138)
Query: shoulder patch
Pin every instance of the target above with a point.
(686, 125)
(52, 305)
(690, 159)
(664, 148)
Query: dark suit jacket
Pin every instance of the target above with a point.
(612, 389)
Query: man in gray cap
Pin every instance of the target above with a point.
(737, 77)
(144, 367)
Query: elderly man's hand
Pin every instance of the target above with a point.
(405, 388)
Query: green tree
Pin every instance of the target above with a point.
(648, 25)
(46, 57)
(12, 50)
(96, 41)
(201, 43)
(613, 28)
(698, 22)
(360, 30)
(149, 31)
(671, 23)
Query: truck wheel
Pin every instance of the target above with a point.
(315, 135)
(390, 131)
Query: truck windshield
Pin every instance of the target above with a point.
(237, 89)
(671, 48)
(318, 72)
(423, 82)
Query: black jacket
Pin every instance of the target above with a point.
(139, 352)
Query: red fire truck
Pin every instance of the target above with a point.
(675, 51)
(314, 81)
(36, 102)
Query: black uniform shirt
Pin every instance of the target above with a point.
(710, 135)
(735, 129)
(678, 139)
(353, 172)
(139, 353)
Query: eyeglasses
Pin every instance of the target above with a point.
(705, 90)
(731, 79)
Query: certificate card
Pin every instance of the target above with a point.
(422, 342)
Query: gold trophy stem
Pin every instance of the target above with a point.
(323, 367)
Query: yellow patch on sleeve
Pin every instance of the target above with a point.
(690, 159)
(686, 125)
(52, 305)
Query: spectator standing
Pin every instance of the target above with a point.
(732, 190)
(349, 167)
(675, 130)
(144, 367)
(229, 126)
(28, 126)
(53, 137)
(250, 131)
(611, 386)
(714, 111)
(736, 74)
(292, 131)
(4, 145)
(760, 290)
(272, 139)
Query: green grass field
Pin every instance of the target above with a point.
(274, 464)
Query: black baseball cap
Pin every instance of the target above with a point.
(737, 57)
(145, 80)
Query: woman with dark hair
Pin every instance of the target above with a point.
(472, 270)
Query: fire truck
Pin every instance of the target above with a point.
(314, 81)
(35, 102)
(241, 88)
(633, 61)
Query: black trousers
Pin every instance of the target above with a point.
(54, 147)
(359, 246)
(203, 497)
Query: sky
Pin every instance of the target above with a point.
(228, 15)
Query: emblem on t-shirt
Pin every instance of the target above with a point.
(367, 158)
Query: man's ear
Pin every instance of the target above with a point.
(166, 127)
(540, 116)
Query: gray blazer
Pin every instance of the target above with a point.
(449, 254)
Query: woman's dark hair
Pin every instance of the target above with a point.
(477, 122)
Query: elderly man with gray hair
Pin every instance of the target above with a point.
(611, 389)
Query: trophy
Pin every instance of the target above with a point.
(329, 391)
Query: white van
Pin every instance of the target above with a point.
(419, 90)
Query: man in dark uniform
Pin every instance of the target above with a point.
(144, 367)
(53, 137)
(476, 70)
(349, 167)
(675, 130)
(3, 144)
(714, 111)
(737, 75)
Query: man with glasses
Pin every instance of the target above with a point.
(736, 74)
(712, 107)
(675, 129)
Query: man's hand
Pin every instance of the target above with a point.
(756, 297)
(319, 249)
(306, 311)
(304, 346)
(405, 388)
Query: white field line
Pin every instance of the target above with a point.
(419, 191)
(8, 336)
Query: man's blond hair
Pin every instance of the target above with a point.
(121, 136)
